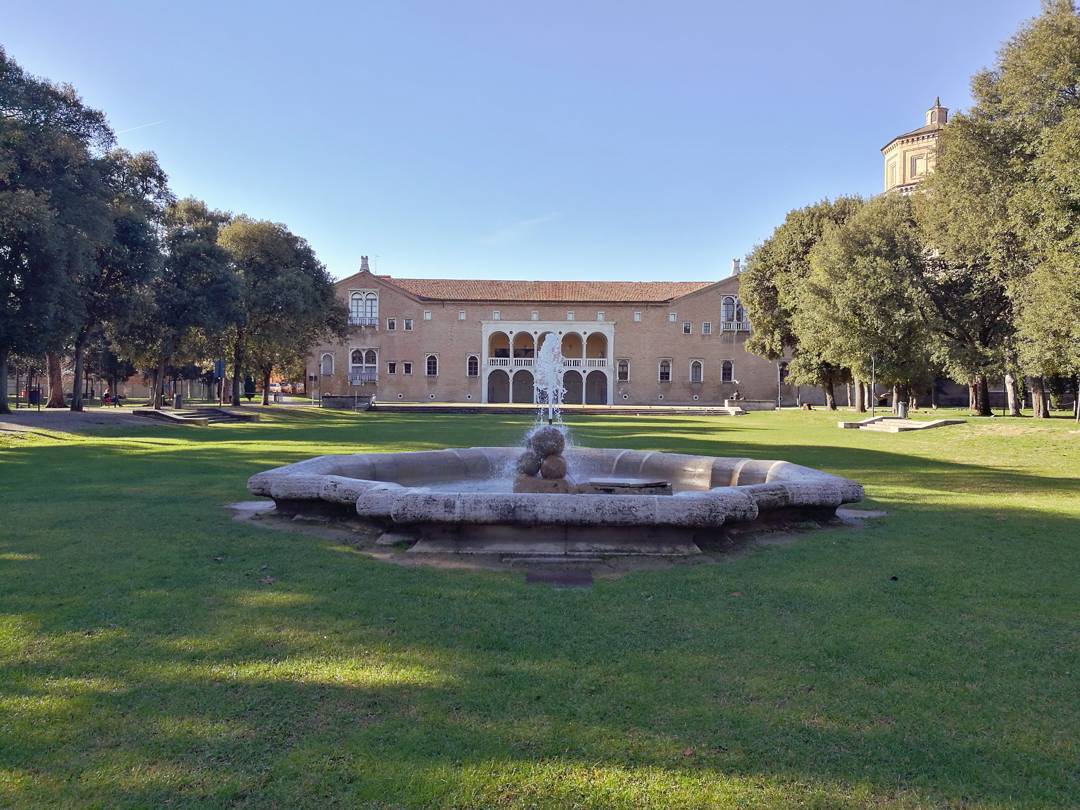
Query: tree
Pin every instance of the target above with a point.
(127, 255)
(287, 299)
(50, 208)
(769, 290)
(1003, 205)
(859, 308)
(197, 289)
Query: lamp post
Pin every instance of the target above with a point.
(873, 386)
(779, 402)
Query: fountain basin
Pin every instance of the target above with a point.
(460, 499)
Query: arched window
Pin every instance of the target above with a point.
(664, 371)
(727, 371)
(727, 309)
(473, 366)
(356, 307)
(740, 313)
(326, 364)
(363, 366)
(695, 371)
(371, 307)
(431, 366)
(622, 371)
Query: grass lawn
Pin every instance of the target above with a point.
(154, 652)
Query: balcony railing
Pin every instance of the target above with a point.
(528, 362)
(363, 320)
(735, 326)
(361, 377)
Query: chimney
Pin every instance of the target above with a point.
(364, 265)
(735, 269)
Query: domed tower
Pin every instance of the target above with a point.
(910, 157)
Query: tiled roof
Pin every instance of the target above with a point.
(460, 289)
(920, 131)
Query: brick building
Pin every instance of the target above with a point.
(625, 343)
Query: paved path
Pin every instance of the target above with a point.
(27, 420)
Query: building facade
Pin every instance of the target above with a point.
(624, 343)
(908, 158)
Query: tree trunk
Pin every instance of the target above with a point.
(895, 399)
(4, 408)
(847, 391)
(77, 381)
(1010, 394)
(56, 381)
(982, 395)
(266, 386)
(1038, 399)
(860, 399)
(830, 395)
(869, 395)
(159, 384)
(238, 362)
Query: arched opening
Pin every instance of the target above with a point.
(542, 338)
(498, 344)
(522, 387)
(727, 371)
(472, 366)
(498, 386)
(523, 345)
(696, 371)
(326, 365)
(596, 345)
(596, 388)
(572, 345)
(575, 388)
(431, 366)
(356, 307)
(727, 309)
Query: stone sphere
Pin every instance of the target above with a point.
(547, 441)
(528, 463)
(553, 467)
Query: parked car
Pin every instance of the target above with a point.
(275, 388)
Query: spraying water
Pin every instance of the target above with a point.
(548, 371)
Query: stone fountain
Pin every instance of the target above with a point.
(552, 498)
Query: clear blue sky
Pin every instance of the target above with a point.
(608, 140)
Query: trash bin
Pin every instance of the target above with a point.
(901, 409)
(177, 401)
(34, 396)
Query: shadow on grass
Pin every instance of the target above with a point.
(154, 650)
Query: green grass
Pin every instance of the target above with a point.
(142, 662)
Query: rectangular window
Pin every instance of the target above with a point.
(391, 324)
(687, 328)
(408, 324)
(599, 316)
(391, 368)
(622, 371)
(706, 327)
(672, 317)
(535, 315)
(461, 314)
(406, 368)
(427, 314)
(637, 317)
(570, 315)
(496, 315)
